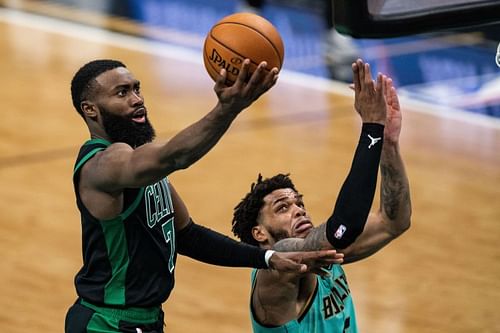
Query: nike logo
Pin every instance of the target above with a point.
(374, 141)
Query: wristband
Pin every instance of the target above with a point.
(267, 256)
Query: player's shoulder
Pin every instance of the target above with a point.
(115, 150)
(109, 157)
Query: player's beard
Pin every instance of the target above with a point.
(124, 129)
(278, 235)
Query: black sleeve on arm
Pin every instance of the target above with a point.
(356, 195)
(208, 246)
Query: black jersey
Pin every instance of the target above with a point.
(128, 260)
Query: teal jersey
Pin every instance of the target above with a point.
(330, 309)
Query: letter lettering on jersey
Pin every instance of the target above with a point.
(327, 308)
(158, 201)
(149, 198)
(334, 302)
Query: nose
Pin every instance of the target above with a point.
(136, 99)
(299, 211)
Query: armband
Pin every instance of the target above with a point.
(356, 195)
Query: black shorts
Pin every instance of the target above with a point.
(84, 317)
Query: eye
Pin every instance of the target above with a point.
(282, 208)
(137, 89)
(122, 92)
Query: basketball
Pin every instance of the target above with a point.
(240, 36)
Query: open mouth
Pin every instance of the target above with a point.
(139, 116)
(303, 226)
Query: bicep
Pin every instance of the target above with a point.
(375, 235)
(121, 166)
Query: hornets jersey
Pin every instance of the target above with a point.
(330, 309)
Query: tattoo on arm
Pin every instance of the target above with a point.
(395, 195)
(315, 240)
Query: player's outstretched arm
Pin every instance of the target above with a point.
(211, 247)
(121, 166)
(208, 246)
(394, 216)
(356, 195)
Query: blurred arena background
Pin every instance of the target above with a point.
(443, 276)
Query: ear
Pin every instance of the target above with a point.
(260, 234)
(89, 109)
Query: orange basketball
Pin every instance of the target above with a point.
(239, 36)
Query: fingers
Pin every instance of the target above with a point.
(325, 257)
(243, 74)
(220, 81)
(355, 76)
(368, 81)
(394, 96)
(258, 75)
(381, 82)
(388, 85)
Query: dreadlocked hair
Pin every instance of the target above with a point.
(246, 212)
(83, 81)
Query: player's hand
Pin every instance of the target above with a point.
(303, 262)
(245, 90)
(369, 96)
(394, 118)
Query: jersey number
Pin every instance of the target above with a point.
(169, 234)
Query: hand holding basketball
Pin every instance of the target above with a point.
(244, 92)
(238, 37)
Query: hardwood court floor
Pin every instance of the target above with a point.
(442, 276)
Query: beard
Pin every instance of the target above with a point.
(123, 129)
(278, 235)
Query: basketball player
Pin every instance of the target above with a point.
(273, 215)
(133, 221)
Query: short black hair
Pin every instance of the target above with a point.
(82, 82)
(246, 212)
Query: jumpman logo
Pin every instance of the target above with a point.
(374, 141)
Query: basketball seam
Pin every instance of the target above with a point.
(238, 23)
(230, 49)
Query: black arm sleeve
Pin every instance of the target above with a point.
(208, 246)
(356, 195)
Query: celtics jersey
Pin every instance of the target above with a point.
(128, 260)
(330, 309)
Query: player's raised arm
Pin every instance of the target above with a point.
(125, 164)
(394, 215)
(356, 195)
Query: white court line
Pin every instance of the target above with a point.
(98, 35)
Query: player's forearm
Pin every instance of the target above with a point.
(395, 202)
(356, 195)
(211, 247)
(314, 241)
(196, 140)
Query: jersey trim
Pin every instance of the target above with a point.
(116, 244)
(129, 210)
(86, 158)
(309, 303)
(92, 152)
